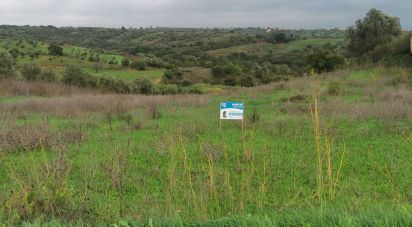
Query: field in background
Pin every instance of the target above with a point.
(261, 49)
(73, 55)
(79, 156)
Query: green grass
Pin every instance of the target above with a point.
(182, 169)
(268, 48)
(128, 74)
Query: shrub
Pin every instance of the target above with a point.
(167, 89)
(140, 65)
(48, 75)
(324, 60)
(125, 62)
(31, 71)
(107, 83)
(142, 86)
(55, 50)
(6, 66)
(74, 75)
(247, 81)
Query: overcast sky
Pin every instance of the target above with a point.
(199, 13)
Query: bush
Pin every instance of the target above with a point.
(31, 71)
(6, 66)
(140, 65)
(48, 75)
(142, 86)
(109, 84)
(247, 81)
(167, 89)
(74, 75)
(226, 74)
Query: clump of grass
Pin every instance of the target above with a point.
(117, 173)
(334, 88)
(42, 191)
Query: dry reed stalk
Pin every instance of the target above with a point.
(316, 130)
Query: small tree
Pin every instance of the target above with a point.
(376, 28)
(55, 50)
(31, 71)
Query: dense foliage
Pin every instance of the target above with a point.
(376, 28)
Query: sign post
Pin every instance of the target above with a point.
(231, 111)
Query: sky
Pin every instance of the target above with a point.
(199, 13)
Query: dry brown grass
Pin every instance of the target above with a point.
(392, 103)
(382, 110)
(35, 136)
(10, 87)
(78, 105)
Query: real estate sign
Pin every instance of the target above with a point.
(231, 110)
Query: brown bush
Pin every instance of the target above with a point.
(114, 104)
(29, 137)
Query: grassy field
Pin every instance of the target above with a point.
(268, 48)
(162, 160)
(73, 55)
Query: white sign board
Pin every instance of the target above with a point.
(231, 110)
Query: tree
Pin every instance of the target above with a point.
(31, 71)
(6, 66)
(55, 50)
(324, 60)
(376, 28)
(281, 38)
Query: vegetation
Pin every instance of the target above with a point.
(119, 126)
(376, 28)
